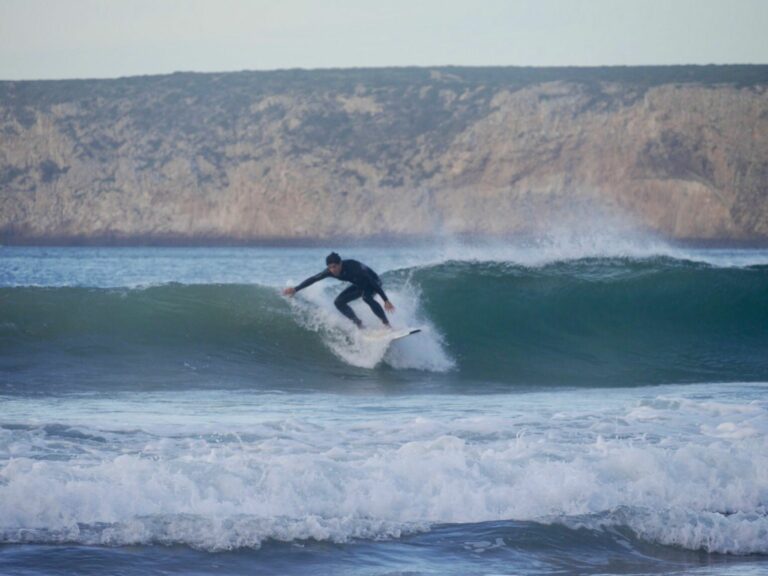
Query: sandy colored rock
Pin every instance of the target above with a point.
(682, 151)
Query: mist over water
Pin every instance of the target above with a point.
(583, 405)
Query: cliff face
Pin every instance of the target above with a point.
(680, 150)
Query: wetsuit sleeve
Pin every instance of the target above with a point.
(312, 279)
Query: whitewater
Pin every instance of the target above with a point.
(579, 406)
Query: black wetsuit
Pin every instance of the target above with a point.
(365, 283)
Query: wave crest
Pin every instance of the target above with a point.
(593, 321)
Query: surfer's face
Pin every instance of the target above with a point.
(335, 269)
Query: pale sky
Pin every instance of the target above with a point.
(111, 38)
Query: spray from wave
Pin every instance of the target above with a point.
(314, 310)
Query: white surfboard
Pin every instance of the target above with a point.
(389, 335)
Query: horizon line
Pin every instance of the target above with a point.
(372, 68)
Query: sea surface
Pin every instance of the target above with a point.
(572, 406)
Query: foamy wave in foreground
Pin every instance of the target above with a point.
(230, 473)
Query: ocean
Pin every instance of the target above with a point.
(572, 406)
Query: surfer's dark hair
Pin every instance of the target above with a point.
(332, 258)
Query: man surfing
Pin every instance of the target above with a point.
(365, 283)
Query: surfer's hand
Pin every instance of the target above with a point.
(290, 291)
(388, 306)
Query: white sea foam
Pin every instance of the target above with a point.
(231, 470)
(568, 245)
(315, 310)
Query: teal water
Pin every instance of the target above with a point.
(581, 409)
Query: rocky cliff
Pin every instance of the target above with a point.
(312, 154)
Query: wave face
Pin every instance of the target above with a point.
(595, 321)
(206, 335)
(602, 321)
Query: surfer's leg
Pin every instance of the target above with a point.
(342, 303)
(376, 307)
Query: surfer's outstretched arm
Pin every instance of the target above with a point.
(308, 282)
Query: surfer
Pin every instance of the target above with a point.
(365, 283)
